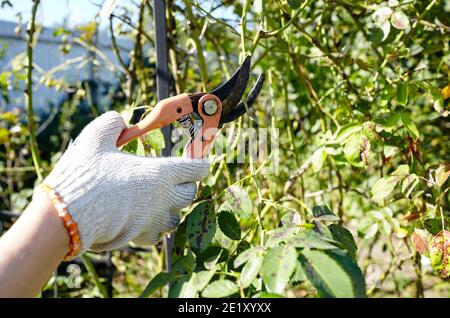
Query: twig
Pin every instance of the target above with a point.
(91, 270)
(198, 46)
(29, 91)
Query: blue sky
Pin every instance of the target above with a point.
(54, 12)
(74, 12)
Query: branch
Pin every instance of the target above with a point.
(29, 91)
(198, 45)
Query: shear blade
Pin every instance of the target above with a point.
(242, 107)
(230, 93)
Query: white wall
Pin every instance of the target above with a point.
(47, 55)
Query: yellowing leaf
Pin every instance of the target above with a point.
(383, 187)
(439, 248)
(446, 92)
(420, 239)
(4, 135)
(442, 174)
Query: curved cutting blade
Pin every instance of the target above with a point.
(231, 92)
(242, 107)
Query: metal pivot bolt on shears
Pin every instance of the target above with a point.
(216, 108)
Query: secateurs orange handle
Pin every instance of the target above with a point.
(216, 108)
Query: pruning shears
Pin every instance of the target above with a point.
(222, 105)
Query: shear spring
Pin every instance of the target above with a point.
(186, 123)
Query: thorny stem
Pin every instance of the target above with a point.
(29, 91)
(198, 45)
(171, 39)
(136, 57)
(243, 23)
(115, 47)
(261, 34)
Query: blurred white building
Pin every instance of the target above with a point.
(72, 67)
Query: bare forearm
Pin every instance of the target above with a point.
(31, 250)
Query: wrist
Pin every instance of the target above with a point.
(60, 211)
(32, 249)
(46, 215)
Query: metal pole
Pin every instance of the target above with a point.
(162, 86)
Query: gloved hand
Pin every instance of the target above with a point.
(115, 197)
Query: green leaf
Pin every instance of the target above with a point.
(140, 150)
(250, 270)
(212, 256)
(391, 120)
(179, 242)
(409, 183)
(323, 213)
(278, 265)
(346, 131)
(383, 187)
(367, 228)
(351, 148)
(345, 237)
(299, 274)
(131, 147)
(201, 226)
(202, 278)
(267, 295)
(333, 274)
(438, 106)
(321, 229)
(220, 288)
(155, 140)
(402, 93)
(442, 174)
(402, 171)
(246, 255)
(294, 4)
(240, 201)
(229, 225)
(159, 281)
(183, 287)
(291, 219)
(410, 126)
(311, 239)
(432, 225)
(318, 158)
(184, 265)
(278, 235)
(222, 240)
(375, 35)
(386, 94)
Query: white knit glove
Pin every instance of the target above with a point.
(115, 197)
